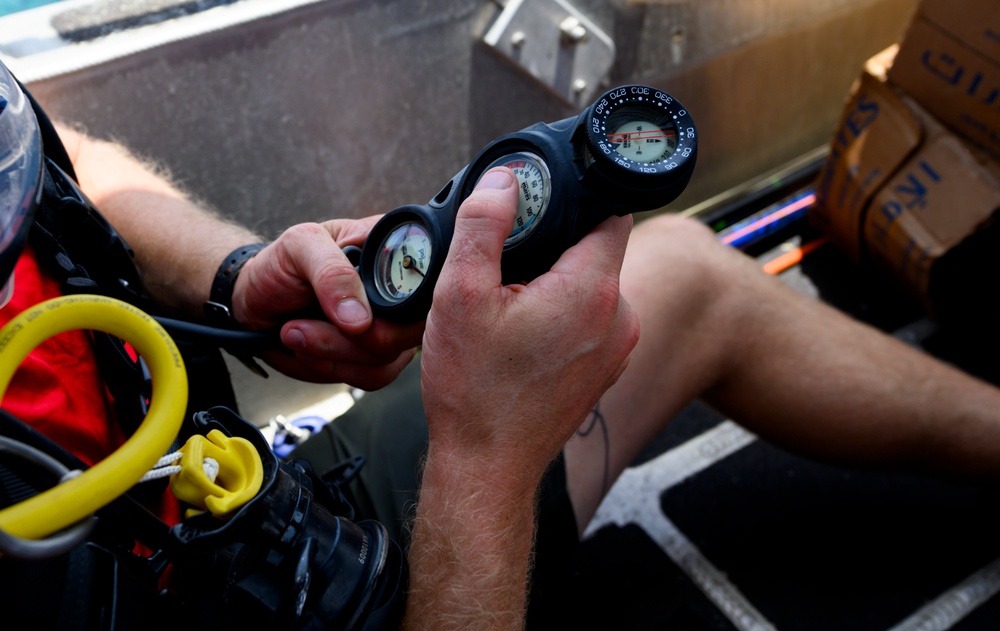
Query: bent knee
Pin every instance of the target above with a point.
(677, 265)
(674, 251)
(677, 231)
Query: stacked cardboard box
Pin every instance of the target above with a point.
(911, 185)
(949, 62)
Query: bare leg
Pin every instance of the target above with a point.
(667, 281)
(789, 368)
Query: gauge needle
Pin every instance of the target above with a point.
(409, 263)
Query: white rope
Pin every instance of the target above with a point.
(211, 468)
(165, 468)
(169, 459)
(160, 472)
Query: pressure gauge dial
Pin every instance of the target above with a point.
(534, 183)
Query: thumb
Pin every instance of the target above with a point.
(484, 220)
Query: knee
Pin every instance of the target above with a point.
(676, 258)
(670, 226)
(675, 239)
(678, 267)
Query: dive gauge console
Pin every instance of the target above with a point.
(633, 150)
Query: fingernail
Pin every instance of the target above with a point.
(295, 340)
(497, 180)
(350, 311)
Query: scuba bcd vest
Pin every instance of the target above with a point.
(291, 557)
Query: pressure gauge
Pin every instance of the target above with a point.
(534, 183)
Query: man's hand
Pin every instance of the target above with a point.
(305, 269)
(509, 373)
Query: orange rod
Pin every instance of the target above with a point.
(793, 257)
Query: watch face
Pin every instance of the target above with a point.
(534, 183)
(403, 261)
(640, 130)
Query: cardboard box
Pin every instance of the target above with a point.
(957, 83)
(974, 22)
(902, 194)
(875, 135)
(940, 196)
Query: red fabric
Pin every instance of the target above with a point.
(58, 390)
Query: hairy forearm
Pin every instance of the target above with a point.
(471, 550)
(179, 244)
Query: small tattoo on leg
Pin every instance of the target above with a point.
(596, 419)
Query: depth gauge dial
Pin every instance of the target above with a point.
(403, 261)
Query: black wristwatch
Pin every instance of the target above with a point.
(219, 307)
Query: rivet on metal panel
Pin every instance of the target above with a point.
(677, 45)
(556, 44)
(572, 31)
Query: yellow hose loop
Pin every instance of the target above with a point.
(67, 503)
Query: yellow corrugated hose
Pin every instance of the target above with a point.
(72, 500)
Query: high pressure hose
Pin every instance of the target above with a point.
(76, 498)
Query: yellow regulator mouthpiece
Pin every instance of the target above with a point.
(239, 476)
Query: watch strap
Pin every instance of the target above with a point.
(219, 307)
